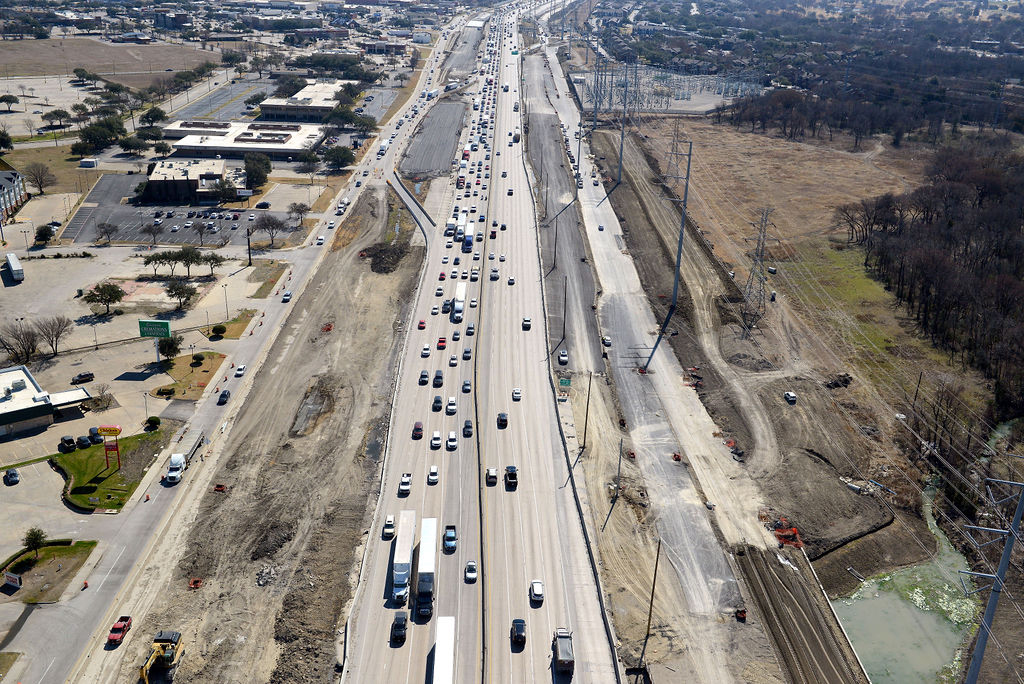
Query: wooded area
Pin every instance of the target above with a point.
(952, 253)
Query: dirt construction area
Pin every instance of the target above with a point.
(278, 552)
(806, 455)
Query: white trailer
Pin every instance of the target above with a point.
(444, 651)
(425, 568)
(14, 267)
(401, 566)
(459, 303)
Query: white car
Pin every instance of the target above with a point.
(490, 256)
(240, 370)
(435, 440)
(452, 442)
(175, 229)
(439, 292)
(453, 361)
(501, 258)
(472, 303)
(790, 397)
(537, 591)
(331, 224)
(320, 239)
(517, 394)
(425, 351)
(471, 572)
(444, 259)
(433, 310)
(563, 357)
(451, 408)
(405, 484)
(252, 217)
(432, 475)
(389, 527)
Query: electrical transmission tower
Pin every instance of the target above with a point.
(753, 293)
(1010, 536)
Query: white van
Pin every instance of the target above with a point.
(177, 467)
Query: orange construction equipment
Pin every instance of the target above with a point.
(195, 583)
(787, 535)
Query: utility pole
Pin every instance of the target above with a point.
(565, 298)
(618, 474)
(650, 607)
(999, 578)
(675, 154)
(586, 414)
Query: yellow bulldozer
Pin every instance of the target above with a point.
(165, 654)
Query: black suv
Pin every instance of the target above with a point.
(518, 632)
(399, 627)
(502, 420)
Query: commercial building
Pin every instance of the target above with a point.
(311, 104)
(183, 181)
(24, 405)
(12, 190)
(282, 141)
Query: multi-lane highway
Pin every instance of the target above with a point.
(516, 535)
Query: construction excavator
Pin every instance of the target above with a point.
(165, 654)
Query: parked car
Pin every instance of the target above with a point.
(94, 435)
(83, 442)
(67, 443)
(11, 477)
(85, 376)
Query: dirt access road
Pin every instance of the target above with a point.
(277, 552)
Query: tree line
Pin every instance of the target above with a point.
(952, 253)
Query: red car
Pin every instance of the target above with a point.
(417, 430)
(422, 324)
(120, 628)
(441, 277)
(442, 342)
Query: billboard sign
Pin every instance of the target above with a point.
(154, 328)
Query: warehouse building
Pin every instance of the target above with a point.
(311, 104)
(281, 141)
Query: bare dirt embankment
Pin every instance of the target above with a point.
(277, 552)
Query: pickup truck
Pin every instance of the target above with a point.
(450, 539)
(120, 628)
(511, 477)
(492, 476)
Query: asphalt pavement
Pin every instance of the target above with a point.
(436, 140)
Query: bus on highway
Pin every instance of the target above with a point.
(444, 651)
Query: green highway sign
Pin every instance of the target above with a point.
(154, 328)
(564, 382)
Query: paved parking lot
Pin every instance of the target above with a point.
(433, 146)
(105, 204)
(226, 103)
(378, 106)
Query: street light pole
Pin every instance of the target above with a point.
(227, 315)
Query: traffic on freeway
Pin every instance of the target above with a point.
(476, 534)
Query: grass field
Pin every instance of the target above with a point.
(267, 271)
(64, 166)
(45, 577)
(7, 660)
(94, 485)
(190, 378)
(62, 56)
(235, 327)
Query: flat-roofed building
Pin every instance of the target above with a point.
(183, 180)
(25, 406)
(281, 141)
(311, 104)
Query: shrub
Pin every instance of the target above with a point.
(153, 421)
(198, 358)
(118, 312)
(219, 329)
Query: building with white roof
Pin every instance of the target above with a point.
(24, 405)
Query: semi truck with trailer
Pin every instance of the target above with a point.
(426, 568)
(401, 567)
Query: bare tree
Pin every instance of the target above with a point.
(39, 175)
(20, 340)
(53, 329)
(101, 395)
(107, 231)
(271, 225)
(153, 231)
(298, 210)
(200, 229)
